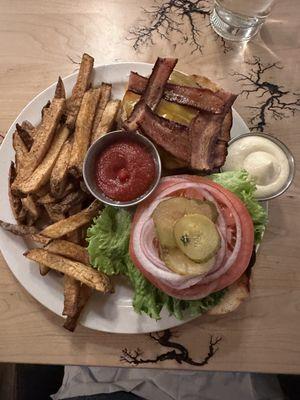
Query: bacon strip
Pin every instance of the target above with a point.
(153, 91)
(170, 135)
(205, 130)
(200, 98)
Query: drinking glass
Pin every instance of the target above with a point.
(239, 20)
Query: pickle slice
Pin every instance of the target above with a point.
(197, 237)
(178, 262)
(169, 211)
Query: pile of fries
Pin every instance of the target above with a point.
(47, 193)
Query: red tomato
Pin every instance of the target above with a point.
(222, 196)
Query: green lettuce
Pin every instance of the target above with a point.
(240, 183)
(108, 247)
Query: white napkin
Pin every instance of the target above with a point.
(168, 385)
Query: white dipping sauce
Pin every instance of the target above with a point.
(265, 161)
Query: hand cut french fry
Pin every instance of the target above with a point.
(25, 136)
(43, 269)
(45, 134)
(30, 206)
(45, 108)
(46, 199)
(72, 199)
(105, 93)
(42, 173)
(60, 92)
(71, 322)
(20, 230)
(14, 200)
(108, 119)
(71, 296)
(21, 153)
(74, 269)
(58, 178)
(70, 250)
(29, 232)
(29, 128)
(69, 224)
(54, 215)
(83, 128)
(81, 86)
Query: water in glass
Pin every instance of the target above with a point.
(239, 20)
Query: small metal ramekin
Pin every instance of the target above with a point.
(98, 146)
(287, 152)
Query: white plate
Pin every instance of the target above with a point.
(113, 313)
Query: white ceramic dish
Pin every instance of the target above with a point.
(113, 313)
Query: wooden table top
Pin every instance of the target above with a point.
(38, 41)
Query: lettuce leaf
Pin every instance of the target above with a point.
(108, 247)
(240, 183)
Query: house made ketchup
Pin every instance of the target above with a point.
(125, 170)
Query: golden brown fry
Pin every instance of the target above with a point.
(25, 136)
(54, 215)
(43, 191)
(46, 199)
(43, 269)
(27, 232)
(14, 200)
(85, 294)
(42, 173)
(44, 135)
(21, 153)
(69, 224)
(67, 202)
(30, 206)
(29, 128)
(81, 86)
(105, 93)
(71, 296)
(234, 296)
(83, 129)
(45, 108)
(37, 238)
(60, 92)
(108, 119)
(75, 269)
(70, 250)
(20, 230)
(58, 178)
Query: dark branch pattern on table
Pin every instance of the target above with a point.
(277, 102)
(170, 16)
(179, 353)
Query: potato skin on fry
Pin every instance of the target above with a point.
(42, 173)
(105, 93)
(45, 133)
(14, 200)
(69, 224)
(81, 86)
(75, 269)
(85, 294)
(83, 128)
(108, 119)
(71, 296)
(60, 92)
(58, 178)
(70, 250)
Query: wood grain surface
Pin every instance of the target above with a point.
(38, 40)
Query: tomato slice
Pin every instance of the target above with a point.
(222, 197)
